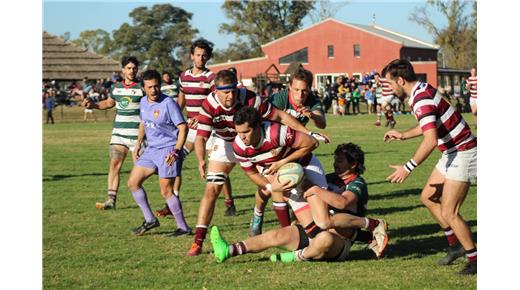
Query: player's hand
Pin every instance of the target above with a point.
(310, 192)
(273, 168)
(304, 111)
(281, 187)
(171, 158)
(321, 137)
(400, 174)
(393, 135)
(202, 169)
(136, 153)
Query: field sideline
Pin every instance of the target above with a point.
(87, 248)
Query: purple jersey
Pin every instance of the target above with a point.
(160, 119)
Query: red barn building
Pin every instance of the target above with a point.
(331, 48)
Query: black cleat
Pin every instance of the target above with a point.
(180, 232)
(146, 226)
(231, 211)
(454, 252)
(469, 269)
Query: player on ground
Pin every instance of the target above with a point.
(125, 96)
(471, 85)
(195, 84)
(165, 130)
(217, 114)
(447, 187)
(299, 102)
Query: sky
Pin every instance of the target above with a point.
(76, 16)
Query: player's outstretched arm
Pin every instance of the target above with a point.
(103, 105)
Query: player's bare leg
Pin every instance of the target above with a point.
(117, 155)
(431, 198)
(453, 196)
(207, 203)
(228, 199)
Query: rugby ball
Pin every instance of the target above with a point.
(292, 172)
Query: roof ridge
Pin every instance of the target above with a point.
(405, 36)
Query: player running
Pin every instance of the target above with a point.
(125, 96)
(441, 126)
(165, 130)
(217, 114)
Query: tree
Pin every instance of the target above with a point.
(235, 51)
(458, 39)
(260, 22)
(160, 37)
(97, 41)
(325, 9)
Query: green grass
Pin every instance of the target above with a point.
(87, 248)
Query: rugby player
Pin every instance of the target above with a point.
(165, 129)
(471, 85)
(443, 127)
(217, 114)
(169, 86)
(125, 96)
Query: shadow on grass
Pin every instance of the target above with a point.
(422, 230)
(397, 194)
(59, 177)
(393, 209)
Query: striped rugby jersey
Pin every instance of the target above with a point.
(433, 111)
(214, 116)
(275, 144)
(196, 88)
(472, 84)
(127, 98)
(387, 89)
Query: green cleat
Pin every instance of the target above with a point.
(287, 257)
(220, 246)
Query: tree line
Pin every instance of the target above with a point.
(161, 35)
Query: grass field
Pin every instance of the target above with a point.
(87, 248)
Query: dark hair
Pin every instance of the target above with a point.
(204, 44)
(225, 76)
(152, 74)
(129, 59)
(400, 68)
(247, 114)
(354, 154)
(302, 75)
(233, 70)
(166, 73)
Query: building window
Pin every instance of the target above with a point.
(357, 50)
(330, 51)
(301, 56)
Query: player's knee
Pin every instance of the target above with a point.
(325, 223)
(449, 214)
(133, 184)
(325, 240)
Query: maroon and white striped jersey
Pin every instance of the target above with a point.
(387, 89)
(196, 88)
(214, 116)
(472, 84)
(275, 144)
(433, 111)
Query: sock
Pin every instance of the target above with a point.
(236, 249)
(282, 212)
(200, 234)
(257, 212)
(229, 202)
(175, 206)
(142, 201)
(299, 255)
(363, 237)
(371, 224)
(112, 194)
(472, 255)
(185, 151)
(450, 235)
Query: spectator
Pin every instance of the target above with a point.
(369, 97)
(355, 101)
(50, 101)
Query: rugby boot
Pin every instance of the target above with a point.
(255, 227)
(454, 252)
(220, 245)
(145, 226)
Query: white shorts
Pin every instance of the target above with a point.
(472, 101)
(369, 102)
(88, 111)
(459, 165)
(221, 150)
(387, 100)
(192, 134)
(129, 143)
(314, 173)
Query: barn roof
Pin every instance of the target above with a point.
(66, 61)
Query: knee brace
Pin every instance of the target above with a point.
(218, 178)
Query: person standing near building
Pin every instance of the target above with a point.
(471, 85)
(356, 94)
(369, 97)
(50, 101)
(125, 96)
(441, 126)
(165, 129)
